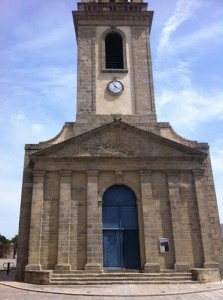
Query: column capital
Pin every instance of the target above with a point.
(172, 173)
(39, 173)
(198, 172)
(145, 173)
(173, 179)
(65, 173)
(92, 173)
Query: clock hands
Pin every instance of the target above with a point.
(118, 88)
(115, 87)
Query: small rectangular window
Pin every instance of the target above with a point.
(164, 245)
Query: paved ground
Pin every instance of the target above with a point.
(12, 290)
(19, 291)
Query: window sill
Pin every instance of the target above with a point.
(114, 70)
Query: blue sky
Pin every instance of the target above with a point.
(38, 81)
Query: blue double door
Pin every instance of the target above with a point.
(120, 229)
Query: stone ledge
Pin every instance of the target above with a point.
(38, 277)
(93, 267)
(151, 268)
(182, 267)
(63, 268)
(206, 275)
(33, 267)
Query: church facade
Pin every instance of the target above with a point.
(116, 189)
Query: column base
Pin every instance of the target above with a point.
(206, 275)
(38, 276)
(93, 267)
(33, 267)
(182, 267)
(62, 268)
(211, 265)
(151, 268)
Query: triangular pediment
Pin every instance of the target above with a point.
(118, 139)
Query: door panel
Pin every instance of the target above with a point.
(130, 248)
(111, 244)
(128, 217)
(120, 229)
(111, 218)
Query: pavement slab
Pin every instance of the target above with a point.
(10, 289)
(17, 290)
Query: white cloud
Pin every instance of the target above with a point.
(212, 33)
(190, 106)
(40, 41)
(19, 117)
(180, 74)
(183, 11)
(37, 128)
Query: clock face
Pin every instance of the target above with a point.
(115, 87)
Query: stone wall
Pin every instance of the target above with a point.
(192, 247)
(7, 251)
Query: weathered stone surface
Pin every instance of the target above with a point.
(206, 275)
(38, 277)
(65, 178)
(119, 139)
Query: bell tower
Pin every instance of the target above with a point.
(117, 190)
(114, 59)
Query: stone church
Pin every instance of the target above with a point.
(117, 191)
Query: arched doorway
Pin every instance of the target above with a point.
(120, 229)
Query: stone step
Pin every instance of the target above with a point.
(105, 275)
(123, 277)
(101, 282)
(74, 278)
(118, 280)
(79, 273)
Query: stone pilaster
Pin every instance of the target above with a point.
(181, 263)
(204, 219)
(93, 235)
(144, 94)
(86, 62)
(35, 236)
(100, 234)
(149, 222)
(63, 259)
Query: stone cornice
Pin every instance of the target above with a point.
(112, 7)
(126, 14)
(142, 19)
